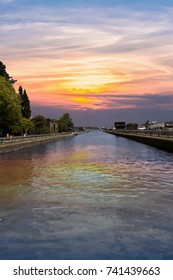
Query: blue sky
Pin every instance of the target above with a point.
(143, 4)
(102, 61)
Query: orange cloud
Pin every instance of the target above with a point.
(75, 63)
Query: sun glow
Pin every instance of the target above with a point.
(89, 83)
(109, 59)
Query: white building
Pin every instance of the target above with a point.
(154, 125)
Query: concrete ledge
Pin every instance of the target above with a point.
(14, 146)
(163, 143)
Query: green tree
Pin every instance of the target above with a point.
(40, 127)
(131, 126)
(10, 109)
(27, 125)
(4, 73)
(25, 103)
(65, 123)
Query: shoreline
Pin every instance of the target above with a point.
(160, 142)
(29, 142)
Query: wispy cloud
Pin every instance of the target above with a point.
(89, 58)
(6, 1)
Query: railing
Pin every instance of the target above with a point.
(154, 133)
(12, 139)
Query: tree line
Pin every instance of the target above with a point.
(15, 111)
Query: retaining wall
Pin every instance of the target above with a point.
(14, 146)
(164, 143)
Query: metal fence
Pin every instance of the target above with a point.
(12, 139)
(154, 133)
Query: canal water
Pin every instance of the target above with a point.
(92, 196)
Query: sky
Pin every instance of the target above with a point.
(101, 61)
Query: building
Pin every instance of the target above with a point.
(169, 125)
(154, 125)
(52, 125)
(120, 125)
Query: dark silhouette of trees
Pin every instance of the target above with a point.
(65, 123)
(25, 103)
(39, 123)
(4, 73)
(131, 126)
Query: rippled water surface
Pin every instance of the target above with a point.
(92, 196)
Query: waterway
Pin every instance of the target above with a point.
(92, 196)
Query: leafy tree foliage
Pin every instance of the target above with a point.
(27, 125)
(40, 127)
(25, 103)
(10, 109)
(4, 73)
(131, 126)
(65, 123)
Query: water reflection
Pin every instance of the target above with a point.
(93, 196)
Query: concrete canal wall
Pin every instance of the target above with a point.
(15, 144)
(164, 142)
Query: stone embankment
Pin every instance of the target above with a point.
(159, 139)
(17, 143)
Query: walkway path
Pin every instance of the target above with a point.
(17, 143)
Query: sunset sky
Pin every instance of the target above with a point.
(101, 61)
